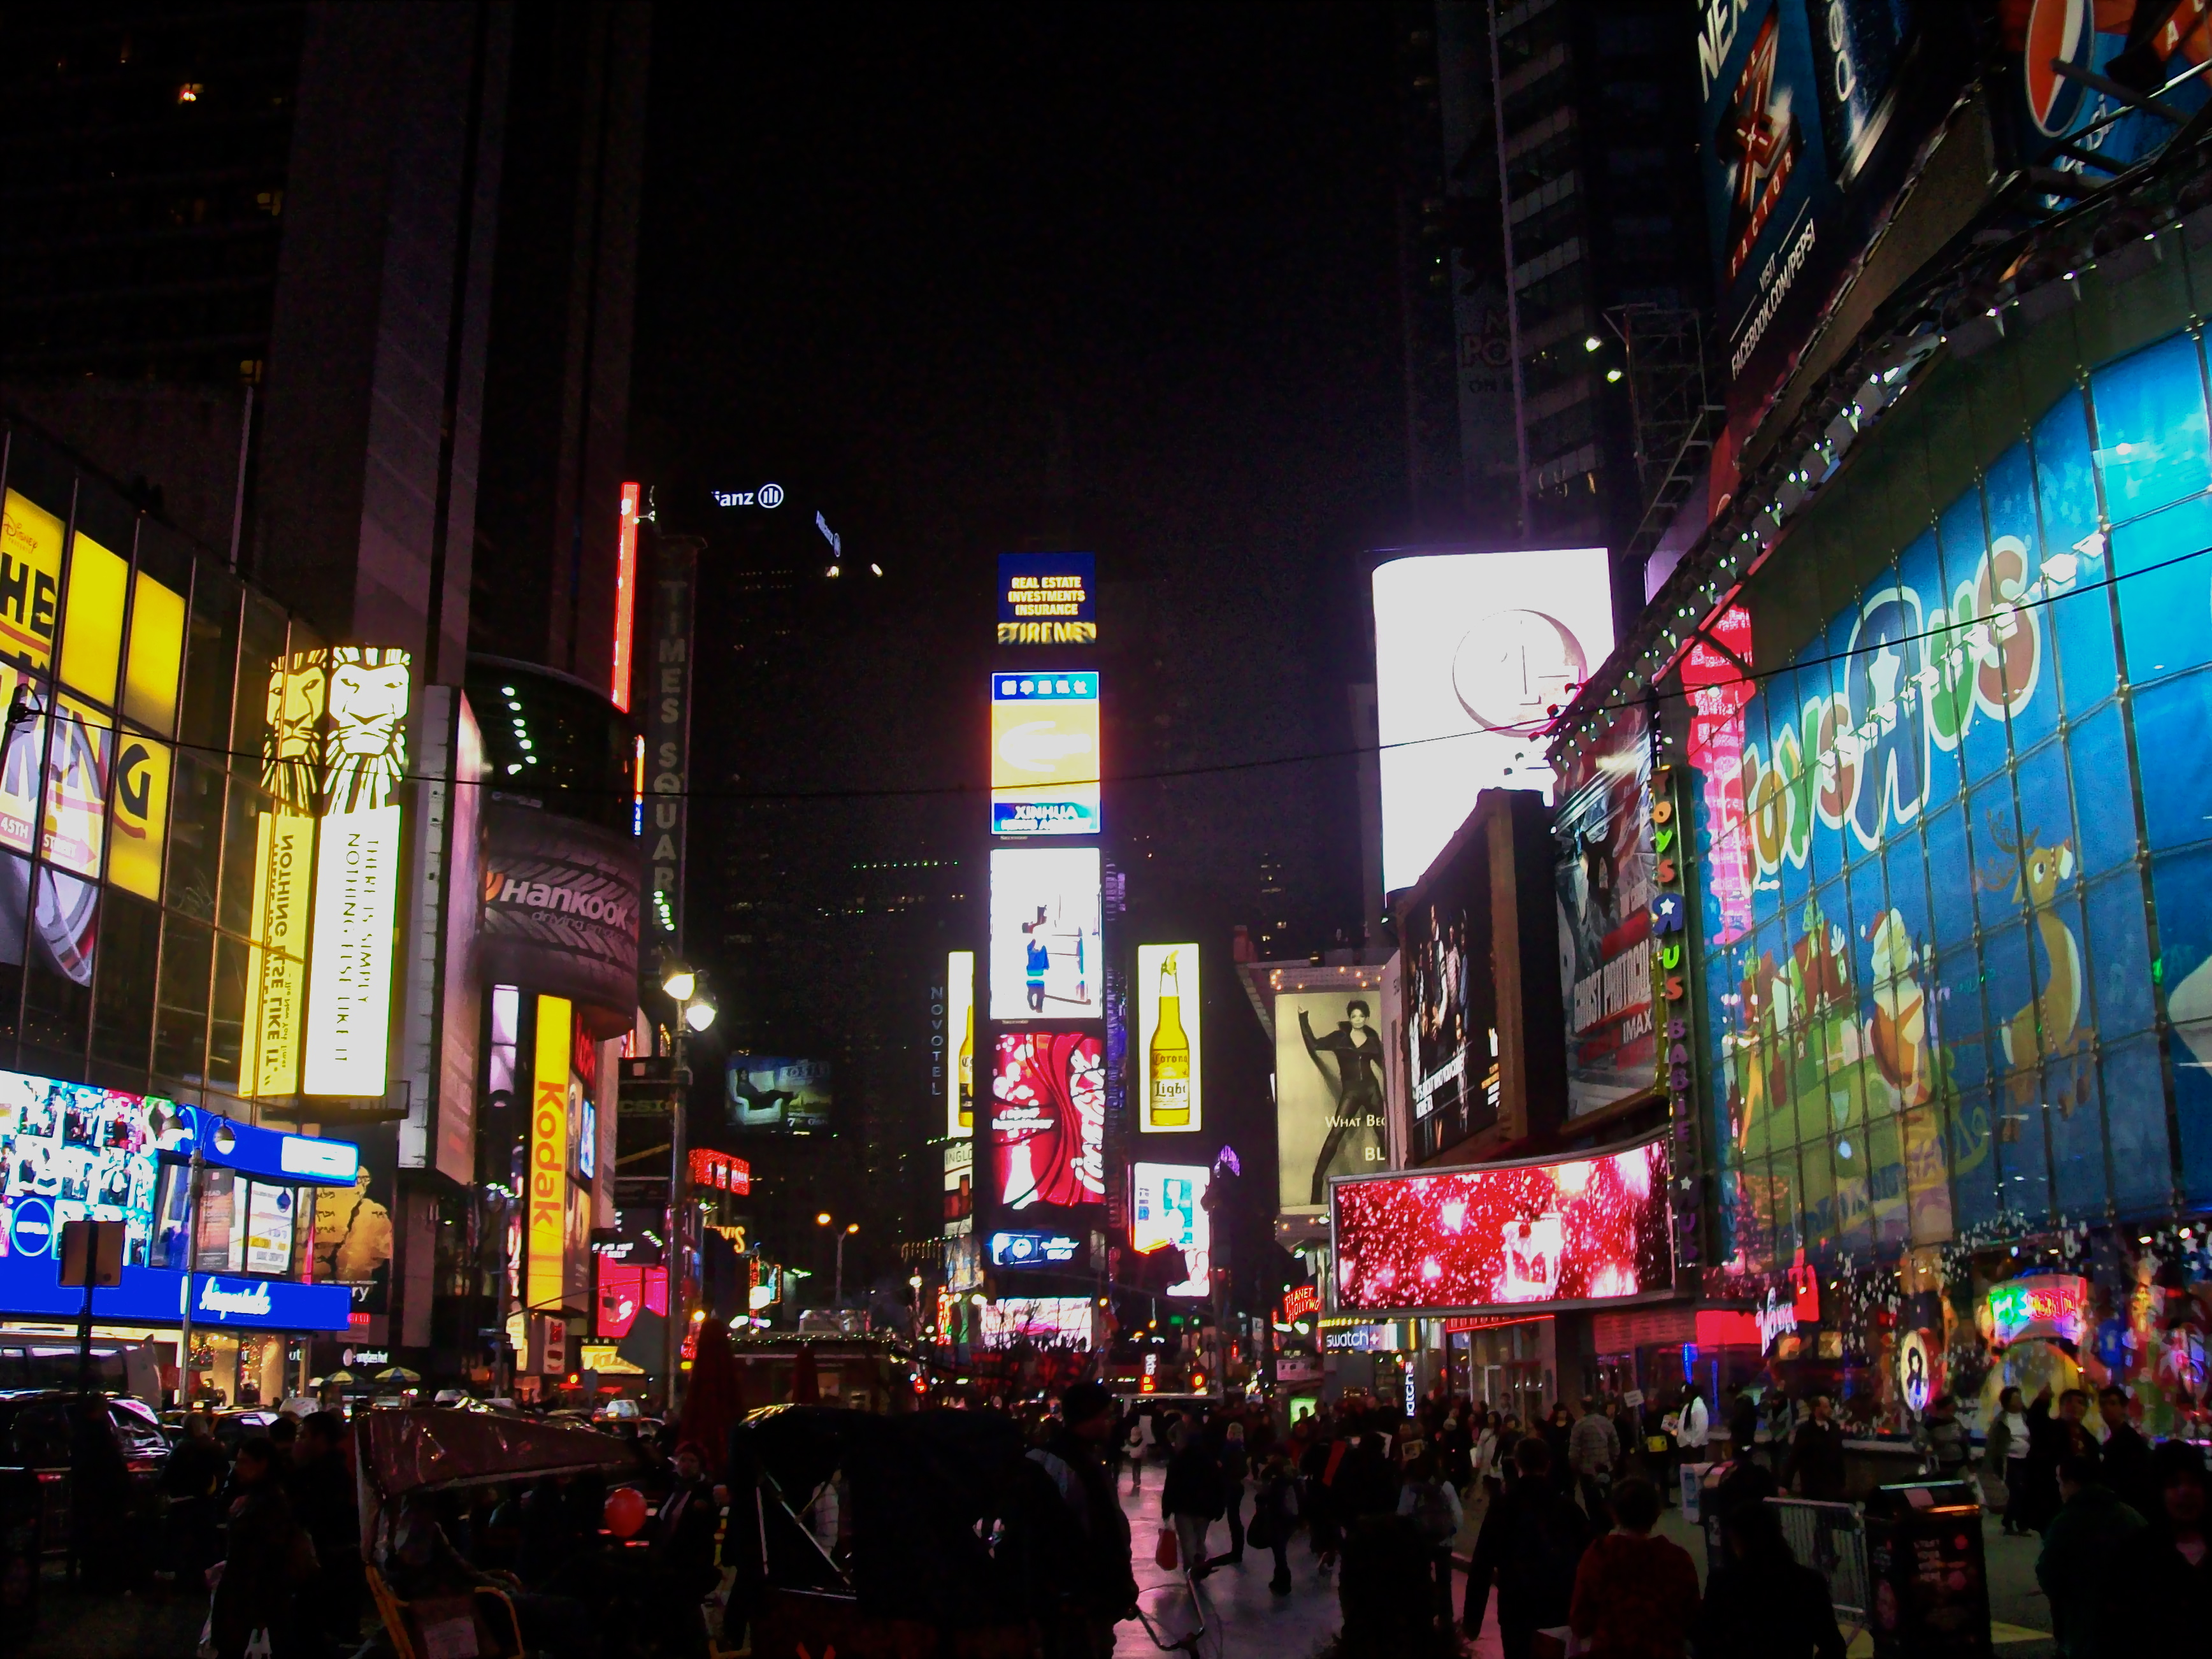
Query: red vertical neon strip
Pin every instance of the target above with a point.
(625, 594)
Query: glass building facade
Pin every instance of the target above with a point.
(135, 670)
(1951, 1054)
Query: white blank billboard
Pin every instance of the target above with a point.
(1045, 961)
(1472, 651)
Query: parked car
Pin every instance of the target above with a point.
(35, 1434)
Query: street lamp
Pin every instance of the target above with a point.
(694, 1012)
(837, 1284)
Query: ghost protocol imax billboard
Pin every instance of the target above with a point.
(1474, 654)
(1048, 598)
(1044, 754)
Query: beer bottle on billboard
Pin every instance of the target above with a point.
(967, 1072)
(1169, 1057)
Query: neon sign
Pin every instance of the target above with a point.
(2054, 1306)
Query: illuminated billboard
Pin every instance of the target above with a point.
(1044, 754)
(772, 1092)
(1168, 1208)
(1060, 1321)
(1329, 1072)
(1168, 1021)
(1045, 957)
(549, 1203)
(1475, 654)
(275, 958)
(1566, 1232)
(1603, 873)
(1048, 598)
(1448, 982)
(1048, 1119)
(960, 1030)
(343, 719)
(959, 1188)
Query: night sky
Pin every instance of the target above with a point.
(1117, 279)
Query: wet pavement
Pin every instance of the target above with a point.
(1244, 1621)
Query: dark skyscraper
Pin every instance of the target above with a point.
(1553, 270)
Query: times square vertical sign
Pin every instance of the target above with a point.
(668, 738)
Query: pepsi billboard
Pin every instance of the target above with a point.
(1812, 112)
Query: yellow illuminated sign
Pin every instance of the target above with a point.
(549, 1203)
(30, 580)
(141, 814)
(156, 663)
(1168, 1068)
(91, 632)
(960, 1039)
(1044, 754)
(276, 971)
(80, 741)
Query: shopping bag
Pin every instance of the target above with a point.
(1164, 1555)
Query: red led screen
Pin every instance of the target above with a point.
(1048, 1119)
(1584, 1229)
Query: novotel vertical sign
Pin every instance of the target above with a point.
(549, 1158)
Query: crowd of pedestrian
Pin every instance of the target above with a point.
(272, 1529)
(1553, 1522)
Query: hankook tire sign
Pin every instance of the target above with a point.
(560, 908)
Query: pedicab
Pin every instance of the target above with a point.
(950, 1538)
(400, 1455)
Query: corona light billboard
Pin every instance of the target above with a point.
(1044, 754)
(1168, 1021)
(960, 1031)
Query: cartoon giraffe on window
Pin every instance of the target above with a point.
(2049, 1026)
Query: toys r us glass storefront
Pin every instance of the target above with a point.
(1953, 886)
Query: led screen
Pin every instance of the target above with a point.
(1328, 1091)
(1583, 1230)
(1167, 1031)
(960, 1031)
(1048, 598)
(1450, 1001)
(1168, 1208)
(1051, 1321)
(74, 1154)
(1048, 1119)
(1473, 653)
(1045, 958)
(1044, 754)
(1603, 877)
(770, 1092)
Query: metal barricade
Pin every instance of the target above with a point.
(1829, 1537)
(1832, 1538)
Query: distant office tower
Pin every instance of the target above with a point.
(1553, 268)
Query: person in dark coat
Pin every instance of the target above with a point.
(1559, 1433)
(1816, 1454)
(266, 1563)
(1531, 1543)
(1761, 1602)
(2163, 1585)
(1192, 1496)
(1093, 1586)
(2051, 1441)
(1316, 1469)
(2126, 1455)
(320, 1485)
(2085, 1548)
(1746, 1482)
(1742, 1420)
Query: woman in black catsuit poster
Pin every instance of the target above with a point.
(1354, 1143)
